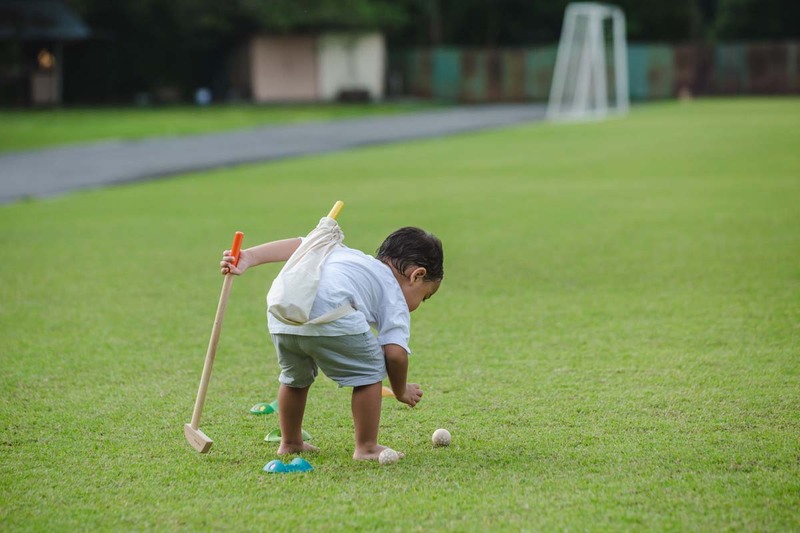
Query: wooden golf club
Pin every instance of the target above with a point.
(197, 438)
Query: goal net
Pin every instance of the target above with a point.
(591, 73)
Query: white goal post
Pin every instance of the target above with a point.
(580, 88)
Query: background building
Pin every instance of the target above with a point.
(324, 67)
(33, 35)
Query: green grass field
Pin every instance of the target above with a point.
(616, 345)
(26, 130)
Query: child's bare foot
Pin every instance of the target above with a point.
(305, 447)
(372, 453)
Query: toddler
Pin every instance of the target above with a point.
(383, 291)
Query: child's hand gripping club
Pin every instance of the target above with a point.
(197, 438)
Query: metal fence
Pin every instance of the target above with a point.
(656, 71)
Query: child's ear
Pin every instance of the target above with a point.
(418, 274)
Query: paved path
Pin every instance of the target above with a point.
(42, 173)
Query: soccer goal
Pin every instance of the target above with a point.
(591, 73)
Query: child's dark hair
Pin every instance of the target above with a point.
(413, 247)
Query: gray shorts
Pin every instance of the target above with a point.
(349, 360)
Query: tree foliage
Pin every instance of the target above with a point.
(311, 15)
(143, 44)
(757, 19)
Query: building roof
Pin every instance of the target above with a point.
(28, 20)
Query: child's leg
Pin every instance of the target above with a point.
(366, 405)
(291, 407)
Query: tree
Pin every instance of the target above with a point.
(526, 22)
(146, 44)
(757, 19)
(311, 15)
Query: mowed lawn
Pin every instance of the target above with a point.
(27, 130)
(616, 344)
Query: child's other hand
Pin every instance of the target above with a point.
(226, 266)
(412, 396)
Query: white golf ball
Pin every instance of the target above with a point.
(388, 457)
(441, 437)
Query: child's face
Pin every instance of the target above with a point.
(416, 289)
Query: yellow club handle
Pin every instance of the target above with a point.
(335, 209)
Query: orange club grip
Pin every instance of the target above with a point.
(236, 247)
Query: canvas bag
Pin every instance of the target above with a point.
(293, 292)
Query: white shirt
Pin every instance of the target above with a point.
(353, 277)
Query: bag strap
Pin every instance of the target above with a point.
(330, 316)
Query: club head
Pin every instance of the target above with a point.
(197, 439)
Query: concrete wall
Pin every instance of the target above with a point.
(351, 62)
(309, 68)
(283, 69)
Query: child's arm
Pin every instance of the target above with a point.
(270, 252)
(397, 368)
